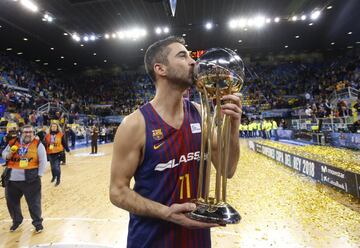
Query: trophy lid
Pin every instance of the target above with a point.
(219, 67)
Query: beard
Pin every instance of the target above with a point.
(181, 80)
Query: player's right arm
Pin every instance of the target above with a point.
(127, 155)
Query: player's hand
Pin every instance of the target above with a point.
(177, 216)
(232, 106)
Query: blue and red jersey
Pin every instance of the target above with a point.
(168, 174)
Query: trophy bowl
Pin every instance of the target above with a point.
(220, 67)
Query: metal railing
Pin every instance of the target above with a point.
(51, 106)
(328, 124)
(346, 93)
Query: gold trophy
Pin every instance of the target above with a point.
(217, 73)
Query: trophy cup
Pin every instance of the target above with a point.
(217, 73)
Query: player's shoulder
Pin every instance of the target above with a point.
(133, 125)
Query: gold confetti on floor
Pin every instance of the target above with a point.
(345, 159)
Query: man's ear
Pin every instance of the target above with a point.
(160, 69)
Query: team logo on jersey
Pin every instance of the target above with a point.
(157, 134)
(158, 145)
(195, 127)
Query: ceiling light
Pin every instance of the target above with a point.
(232, 24)
(294, 18)
(286, 46)
(113, 35)
(92, 37)
(332, 43)
(208, 25)
(29, 5)
(86, 38)
(315, 15)
(65, 34)
(94, 54)
(25, 39)
(158, 30)
(166, 30)
(38, 60)
(329, 7)
(349, 32)
(75, 63)
(349, 47)
(277, 19)
(61, 57)
(239, 41)
(183, 35)
(45, 63)
(8, 49)
(105, 60)
(81, 45)
(59, 69)
(245, 29)
(310, 24)
(268, 20)
(107, 36)
(303, 17)
(241, 23)
(76, 37)
(358, 42)
(186, 45)
(297, 37)
(51, 48)
(142, 49)
(19, 53)
(259, 21)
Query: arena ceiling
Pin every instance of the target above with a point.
(337, 27)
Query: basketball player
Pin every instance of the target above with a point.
(159, 145)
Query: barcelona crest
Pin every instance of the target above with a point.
(157, 134)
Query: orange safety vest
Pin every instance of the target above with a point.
(56, 146)
(31, 156)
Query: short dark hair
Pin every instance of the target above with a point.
(158, 52)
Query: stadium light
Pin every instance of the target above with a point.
(329, 7)
(92, 37)
(107, 36)
(268, 20)
(303, 17)
(25, 39)
(310, 24)
(19, 53)
(166, 30)
(332, 43)
(76, 37)
(259, 21)
(86, 38)
(51, 48)
(277, 19)
(113, 35)
(242, 23)
(158, 30)
(8, 49)
(297, 37)
(29, 5)
(286, 46)
(294, 18)
(349, 33)
(232, 24)
(315, 15)
(208, 25)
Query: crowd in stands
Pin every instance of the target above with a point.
(24, 87)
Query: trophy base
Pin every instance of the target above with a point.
(221, 213)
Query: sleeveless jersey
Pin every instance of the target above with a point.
(168, 174)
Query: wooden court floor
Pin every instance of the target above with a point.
(279, 208)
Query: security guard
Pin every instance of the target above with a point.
(26, 161)
(55, 145)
